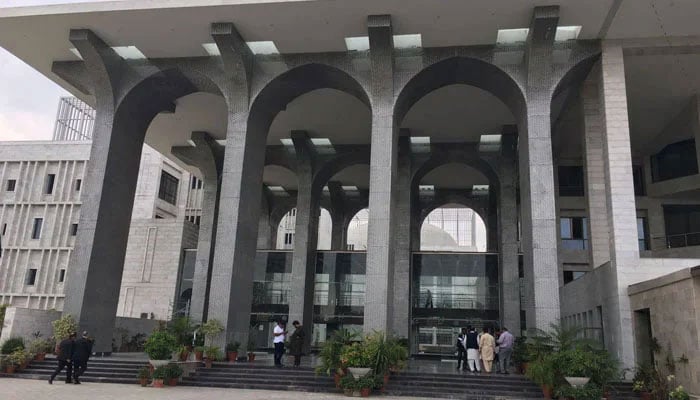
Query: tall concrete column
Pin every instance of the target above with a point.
(301, 298)
(508, 224)
(619, 190)
(231, 294)
(595, 170)
(338, 213)
(537, 176)
(382, 190)
(402, 243)
(208, 156)
(265, 231)
(97, 262)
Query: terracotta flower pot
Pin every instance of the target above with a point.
(336, 378)
(10, 369)
(40, 356)
(198, 355)
(547, 391)
(158, 383)
(143, 381)
(364, 392)
(172, 382)
(251, 356)
(208, 363)
(184, 355)
(347, 392)
(645, 396)
(232, 356)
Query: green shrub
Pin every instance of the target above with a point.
(160, 345)
(233, 346)
(11, 345)
(173, 371)
(212, 353)
(144, 373)
(182, 329)
(590, 391)
(40, 346)
(63, 327)
(161, 372)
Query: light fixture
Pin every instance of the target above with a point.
(129, 52)
(357, 43)
(426, 188)
(350, 188)
(480, 188)
(76, 52)
(326, 190)
(278, 190)
(420, 139)
(264, 47)
(212, 49)
(409, 41)
(565, 33)
(490, 143)
(511, 36)
(321, 142)
(191, 143)
(287, 142)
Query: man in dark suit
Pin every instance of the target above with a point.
(82, 349)
(65, 353)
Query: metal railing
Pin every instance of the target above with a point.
(679, 240)
(574, 244)
(455, 301)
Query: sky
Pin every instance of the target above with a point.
(28, 100)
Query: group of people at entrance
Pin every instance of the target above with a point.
(73, 355)
(473, 348)
(296, 342)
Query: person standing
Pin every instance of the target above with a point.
(505, 342)
(472, 345)
(82, 349)
(487, 348)
(279, 335)
(461, 350)
(64, 355)
(296, 342)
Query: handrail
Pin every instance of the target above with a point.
(679, 240)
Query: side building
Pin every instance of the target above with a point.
(40, 200)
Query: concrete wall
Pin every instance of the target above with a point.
(22, 322)
(673, 302)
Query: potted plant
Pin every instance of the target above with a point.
(144, 375)
(63, 327)
(519, 357)
(199, 353)
(211, 354)
(11, 345)
(160, 374)
(25, 357)
(398, 354)
(232, 351)
(181, 328)
(366, 384)
(183, 353)
(348, 384)
(642, 381)
(542, 372)
(39, 348)
(251, 348)
(159, 347)
(330, 354)
(357, 359)
(678, 393)
(174, 372)
(211, 329)
(589, 391)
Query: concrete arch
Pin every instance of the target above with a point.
(461, 70)
(337, 164)
(453, 198)
(440, 158)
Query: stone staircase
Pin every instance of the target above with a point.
(99, 370)
(244, 375)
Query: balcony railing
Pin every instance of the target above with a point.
(680, 240)
(574, 244)
(456, 301)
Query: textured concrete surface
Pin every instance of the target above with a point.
(22, 389)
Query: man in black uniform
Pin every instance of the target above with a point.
(82, 349)
(65, 353)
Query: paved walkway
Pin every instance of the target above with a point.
(25, 389)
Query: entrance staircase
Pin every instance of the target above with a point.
(244, 375)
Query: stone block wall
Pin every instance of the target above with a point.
(22, 322)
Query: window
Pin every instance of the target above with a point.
(36, 229)
(199, 183)
(570, 276)
(193, 181)
(288, 238)
(168, 188)
(574, 233)
(682, 225)
(50, 179)
(4, 229)
(158, 216)
(73, 229)
(351, 246)
(78, 184)
(638, 176)
(571, 181)
(197, 220)
(31, 277)
(642, 237)
(62, 275)
(674, 161)
(11, 183)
